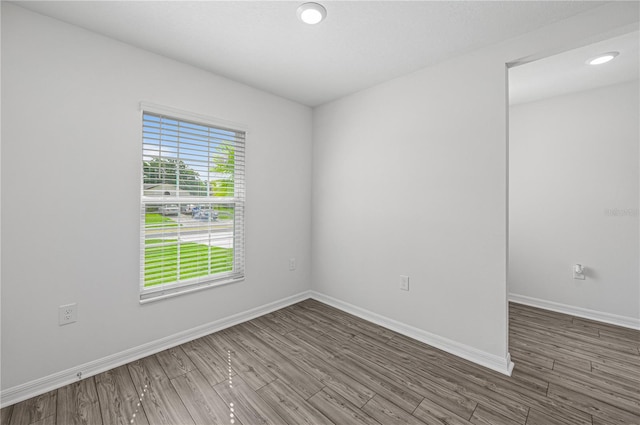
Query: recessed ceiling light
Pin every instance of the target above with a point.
(603, 58)
(311, 13)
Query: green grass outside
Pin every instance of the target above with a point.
(152, 241)
(155, 218)
(161, 262)
(225, 213)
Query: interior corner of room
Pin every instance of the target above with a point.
(424, 203)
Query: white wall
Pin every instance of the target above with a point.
(409, 177)
(71, 185)
(573, 163)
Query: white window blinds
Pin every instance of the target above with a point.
(192, 209)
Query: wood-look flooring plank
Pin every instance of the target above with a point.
(624, 374)
(388, 413)
(632, 340)
(613, 341)
(34, 409)
(253, 372)
(290, 406)
(551, 320)
(279, 365)
(558, 326)
(394, 376)
(524, 379)
(292, 316)
(525, 394)
(486, 416)
(528, 356)
(353, 323)
(480, 376)
(337, 321)
(277, 324)
(613, 384)
(526, 390)
(440, 372)
(433, 414)
(601, 326)
(339, 410)
(537, 313)
(333, 378)
(305, 340)
(283, 345)
(554, 351)
(49, 420)
(598, 421)
(405, 370)
(5, 415)
(376, 382)
(589, 344)
(603, 391)
(161, 402)
(247, 405)
(584, 329)
(203, 403)
(213, 367)
(258, 322)
(78, 404)
(594, 406)
(557, 322)
(627, 369)
(545, 404)
(326, 324)
(119, 399)
(175, 362)
(538, 417)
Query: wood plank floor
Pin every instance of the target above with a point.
(312, 364)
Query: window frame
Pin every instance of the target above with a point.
(166, 290)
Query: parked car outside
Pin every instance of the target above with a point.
(169, 209)
(204, 212)
(186, 208)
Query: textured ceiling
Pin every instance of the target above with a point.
(262, 44)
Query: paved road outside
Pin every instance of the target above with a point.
(218, 233)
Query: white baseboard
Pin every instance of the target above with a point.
(65, 377)
(599, 316)
(503, 365)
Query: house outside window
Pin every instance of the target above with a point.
(192, 202)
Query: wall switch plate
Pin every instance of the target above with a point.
(67, 314)
(404, 282)
(292, 264)
(578, 272)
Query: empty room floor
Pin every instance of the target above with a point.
(311, 363)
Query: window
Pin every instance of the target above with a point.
(192, 203)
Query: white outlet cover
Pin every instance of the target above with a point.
(67, 313)
(404, 282)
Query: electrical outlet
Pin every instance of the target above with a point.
(404, 282)
(67, 314)
(292, 264)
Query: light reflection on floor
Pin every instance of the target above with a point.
(133, 417)
(231, 407)
(231, 414)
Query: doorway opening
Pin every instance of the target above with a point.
(573, 183)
